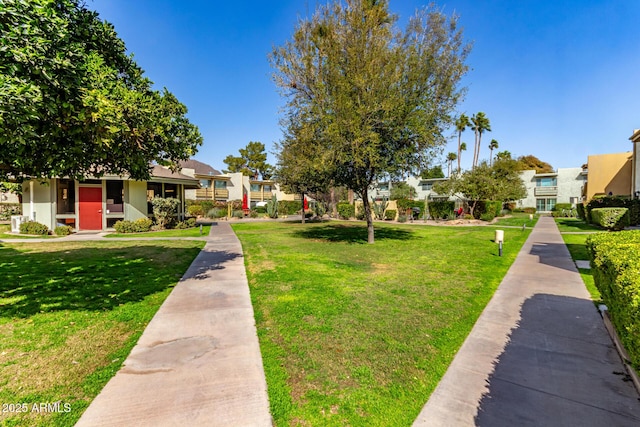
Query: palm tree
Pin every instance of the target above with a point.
(461, 126)
(450, 158)
(479, 124)
(492, 146)
(502, 155)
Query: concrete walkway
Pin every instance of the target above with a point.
(198, 362)
(539, 354)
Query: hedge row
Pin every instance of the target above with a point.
(614, 260)
(611, 218)
(613, 202)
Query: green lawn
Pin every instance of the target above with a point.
(70, 312)
(187, 232)
(6, 228)
(517, 219)
(578, 250)
(575, 225)
(357, 334)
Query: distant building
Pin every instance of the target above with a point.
(635, 172)
(545, 190)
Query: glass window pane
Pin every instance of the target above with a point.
(551, 203)
(255, 187)
(221, 185)
(66, 197)
(115, 196)
(205, 183)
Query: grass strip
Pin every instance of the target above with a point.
(70, 312)
(357, 334)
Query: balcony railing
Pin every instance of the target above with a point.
(260, 196)
(207, 193)
(546, 191)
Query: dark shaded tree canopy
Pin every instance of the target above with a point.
(73, 103)
(251, 162)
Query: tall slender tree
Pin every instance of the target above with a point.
(451, 157)
(480, 124)
(492, 146)
(462, 123)
(376, 99)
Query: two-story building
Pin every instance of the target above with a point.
(545, 190)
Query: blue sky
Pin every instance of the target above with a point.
(558, 79)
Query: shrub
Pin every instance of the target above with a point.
(261, 209)
(379, 208)
(188, 223)
(402, 218)
(320, 209)
(164, 210)
(529, 210)
(140, 225)
(614, 261)
(487, 207)
(216, 213)
(289, 207)
(360, 212)
(63, 230)
(195, 210)
(33, 227)
(441, 208)
(611, 218)
(346, 210)
(580, 210)
(615, 202)
(468, 216)
(487, 216)
(390, 214)
(238, 213)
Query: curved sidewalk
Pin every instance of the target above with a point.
(539, 354)
(198, 361)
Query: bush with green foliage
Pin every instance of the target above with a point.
(260, 209)
(320, 209)
(216, 213)
(581, 212)
(238, 213)
(289, 207)
(611, 218)
(402, 218)
(188, 223)
(360, 212)
(165, 210)
(487, 216)
(614, 260)
(346, 210)
(63, 230)
(487, 207)
(195, 210)
(615, 202)
(33, 227)
(9, 209)
(529, 210)
(390, 214)
(140, 225)
(440, 209)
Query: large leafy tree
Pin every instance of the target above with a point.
(532, 162)
(499, 182)
(375, 98)
(252, 161)
(73, 103)
(479, 124)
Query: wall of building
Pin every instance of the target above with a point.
(37, 201)
(609, 173)
(135, 200)
(635, 165)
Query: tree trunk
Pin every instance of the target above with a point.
(459, 150)
(334, 207)
(367, 214)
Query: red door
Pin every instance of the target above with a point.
(90, 208)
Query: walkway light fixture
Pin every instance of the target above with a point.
(499, 239)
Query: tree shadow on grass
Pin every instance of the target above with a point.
(352, 233)
(90, 278)
(578, 224)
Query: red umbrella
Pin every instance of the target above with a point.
(305, 204)
(245, 205)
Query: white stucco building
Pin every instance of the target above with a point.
(545, 190)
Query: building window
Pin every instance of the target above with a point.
(383, 187)
(66, 197)
(171, 190)
(255, 187)
(267, 189)
(205, 183)
(220, 185)
(115, 196)
(547, 182)
(545, 205)
(427, 186)
(154, 189)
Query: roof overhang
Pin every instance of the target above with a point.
(636, 136)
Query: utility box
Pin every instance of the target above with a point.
(16, 220)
